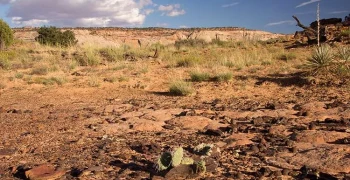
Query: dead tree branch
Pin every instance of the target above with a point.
(303, 26)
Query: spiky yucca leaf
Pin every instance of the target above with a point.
(200, 167)
(204, 149)
(164, 161)
(177, 155)
(321, 58)
(187, 161)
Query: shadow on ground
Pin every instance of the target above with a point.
(284, 80)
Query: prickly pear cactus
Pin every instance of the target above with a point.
(187, 161)
(164, 161)
(177, 155)
(204, 149)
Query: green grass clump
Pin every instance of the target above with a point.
(223, 77)
(40, 70)
(123, 79)
(111, 54)
(286, 56)
(94, 81)
(188, 61)
(88, 57)
(19, 75)
(47, 81)
(199, 76)
(5, 59)
(181, 88)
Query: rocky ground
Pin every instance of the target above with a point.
(265, 127)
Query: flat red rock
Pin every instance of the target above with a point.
(44, 172)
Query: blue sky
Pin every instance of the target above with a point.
(269, 15)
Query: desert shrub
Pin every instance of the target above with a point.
(54, 37)
(321, 58)
(344, 53)
(6, 35)
(190, 43)
(223, 77)
(180, 88)
(199, 76)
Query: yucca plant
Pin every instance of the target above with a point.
(344, 53)
(321, 59)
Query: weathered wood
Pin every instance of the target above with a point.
(303, 26)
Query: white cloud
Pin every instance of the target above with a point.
(183, 26)
(289, 22)
(339, 12)
(306, 3)
(230, 5)
(32, 22)
(148, 11)
(84, 13)
(172, 10)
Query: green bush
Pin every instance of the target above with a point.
(6, 35)
(54, 37)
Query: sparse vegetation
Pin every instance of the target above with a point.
(190, 43)
(88, 57)
(181, 88)
(47, 81)
(111, 54)
(223, 77)
(94, 81)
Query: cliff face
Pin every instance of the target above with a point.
(119, 36)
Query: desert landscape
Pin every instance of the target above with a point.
(158, 103)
